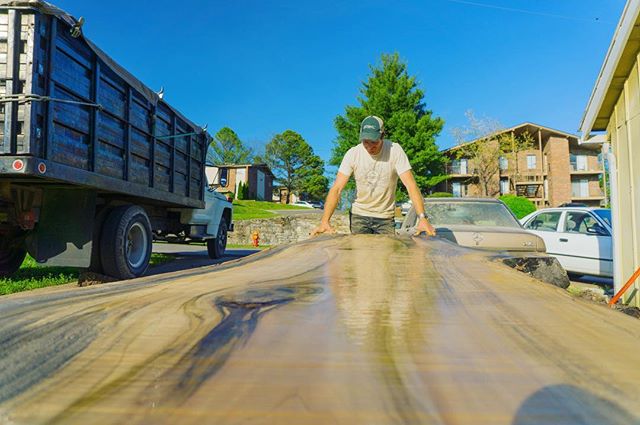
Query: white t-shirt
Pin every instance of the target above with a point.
(376, 178)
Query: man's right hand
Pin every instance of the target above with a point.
(323, 228)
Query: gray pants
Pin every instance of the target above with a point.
(359, 224)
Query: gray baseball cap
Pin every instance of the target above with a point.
(371, 128)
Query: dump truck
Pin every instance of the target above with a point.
(93, 163)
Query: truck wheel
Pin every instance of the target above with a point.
(216, 246)
(11, 259)
(125, 245)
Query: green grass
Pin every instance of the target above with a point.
(241, 246)
(246, 210)
(158, 258)
(32, 275)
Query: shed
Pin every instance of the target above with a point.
(614, 108)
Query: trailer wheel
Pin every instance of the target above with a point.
(11, 259)
(217, 246)
(125, 245)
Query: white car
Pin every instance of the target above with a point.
(579, 237)
(405, 207)
(303, 204)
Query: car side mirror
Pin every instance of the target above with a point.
(598, 230)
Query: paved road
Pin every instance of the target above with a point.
(337, 330)
(192, 256)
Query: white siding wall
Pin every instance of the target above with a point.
(624, 130)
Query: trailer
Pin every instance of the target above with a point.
(93, 163)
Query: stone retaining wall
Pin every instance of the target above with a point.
(283, 229)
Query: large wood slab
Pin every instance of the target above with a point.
(344, 330)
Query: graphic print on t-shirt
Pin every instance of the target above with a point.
(373, 178)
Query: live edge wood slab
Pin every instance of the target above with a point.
(335, 330)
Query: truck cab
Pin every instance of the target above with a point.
(209, 224)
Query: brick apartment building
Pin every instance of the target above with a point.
(555, 171)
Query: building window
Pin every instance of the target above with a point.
(531, 162)
(504, 163)
(455, 166)
(458, 189)
(463, 166)
(459, 166)
(581, 162)
(578, 162)
(580, 188)
(504, 186)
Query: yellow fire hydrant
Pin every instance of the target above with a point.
(255, 236)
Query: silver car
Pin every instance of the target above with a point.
(482, 223)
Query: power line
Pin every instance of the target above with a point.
(528, 12)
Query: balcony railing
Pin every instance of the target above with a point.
(458, 169)
(529, 191)
(583, 169)
(579, 194)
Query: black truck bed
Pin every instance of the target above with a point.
(69, 114)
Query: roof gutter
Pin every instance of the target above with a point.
(612, 59)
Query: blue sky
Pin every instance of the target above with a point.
(261, 67)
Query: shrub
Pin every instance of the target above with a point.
(440, 195)
(241, 191)
(519, 205)
(245, 190)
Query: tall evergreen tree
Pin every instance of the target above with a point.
(313, 182)
(393, 95)
(295, 165)
(229, 149)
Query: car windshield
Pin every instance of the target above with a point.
(605, 215)
(470, 213)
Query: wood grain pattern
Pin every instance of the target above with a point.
(344, 330)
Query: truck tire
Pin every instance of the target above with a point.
(11, 259)
(217, 246)
(125, 243)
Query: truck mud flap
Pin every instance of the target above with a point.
(63, 235)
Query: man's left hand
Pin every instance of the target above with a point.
(426, 227)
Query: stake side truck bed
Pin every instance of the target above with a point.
(93, 163)
(72, 115)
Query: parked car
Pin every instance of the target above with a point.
(572, 204)
(318, 204)
(305, 204)
(579, 237)
(405, 207)
(476, 223)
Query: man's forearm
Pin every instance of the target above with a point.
(330, 204)
(416, 199)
